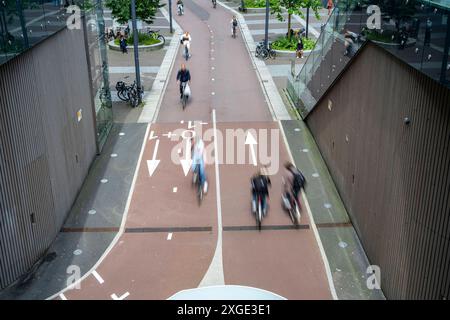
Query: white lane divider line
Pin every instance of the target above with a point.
(62, 296)
(214, 275)
(98, 277)
(169, 236)
(115, 297)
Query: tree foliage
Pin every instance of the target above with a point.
(145, 10)
(295, 7)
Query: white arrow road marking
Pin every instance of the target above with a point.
(250, 140)
(187, 161)
(152, 164)
(152, 136)
(115, 297)
(98, 277)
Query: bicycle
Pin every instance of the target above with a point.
(197, 183)
(180, 10)
(234, 31)
(290, 203)
(184, 97)
(186, 52)
(155, 35)
(263, 52)
(131, 94)
(135, 95)
(259, 213)
(122, 91)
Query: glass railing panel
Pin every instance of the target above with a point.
(13, 31)
(34, 20)
(417, 32)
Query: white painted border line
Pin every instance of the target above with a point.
(276, 105)
(62, 296)
(313, 225)
(115, 297)
(122, 225)
(98, 277)
(215, 275)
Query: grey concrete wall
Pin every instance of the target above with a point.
(393, 178)
(45, 153)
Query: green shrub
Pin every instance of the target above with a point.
(143, 39)
(257, 3)
(283, 43)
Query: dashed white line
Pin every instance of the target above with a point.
(175, 189)
(98, 277)
(169, 236)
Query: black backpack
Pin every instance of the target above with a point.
(235, 23)
(260, 184)
(299, 181)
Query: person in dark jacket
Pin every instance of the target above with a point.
(183, 76)
(260, 183)
(123, 44)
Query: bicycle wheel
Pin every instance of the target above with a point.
(259, 215)
(123, 95)
(184, 101)
(199, 192)
(132, 97)
(264, 53)
(258, 51)
(161, 38)
(272, 54)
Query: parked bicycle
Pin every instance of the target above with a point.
(129, 93)
(263, 52)
(155, 35)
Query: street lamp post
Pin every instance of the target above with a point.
(170, 16)
(307, 22)
(266, 38)
(136, 43)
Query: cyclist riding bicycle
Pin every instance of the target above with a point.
(180, 7)
(186, 42)
(296, 180)
(198, 162)
(260, 187)
(234, 24)
(183, 77)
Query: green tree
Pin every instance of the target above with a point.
(295, 7)
(145, 10)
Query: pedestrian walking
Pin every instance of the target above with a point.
(123, 44)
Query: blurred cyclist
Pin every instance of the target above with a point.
(186, 42)
(183, 77)
(260, 187)
(296, 179)
(198, 162)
